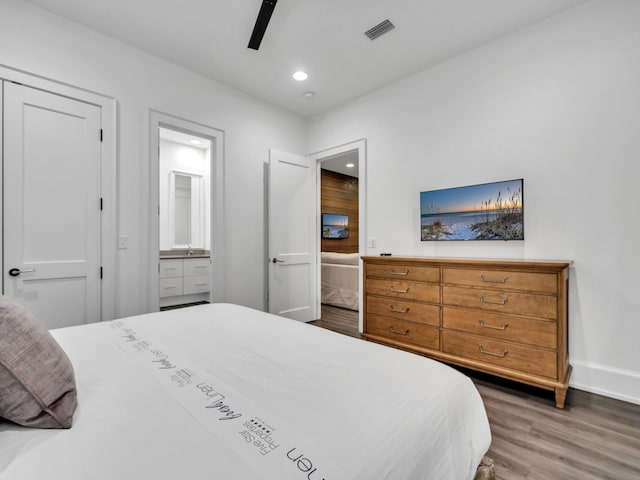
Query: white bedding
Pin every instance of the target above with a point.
(339, 274)
(369, 412)
(340, 285)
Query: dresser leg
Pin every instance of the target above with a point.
(561, 395)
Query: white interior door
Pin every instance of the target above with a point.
(52, 205)
(292, 236)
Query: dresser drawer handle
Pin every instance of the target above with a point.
(406, 290)
(404, 274)
(503, 327)
(482, 279)
(394, 309)
(504, 301)
(486, 352)
(399, 332)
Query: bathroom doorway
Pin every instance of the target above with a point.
(187, 262)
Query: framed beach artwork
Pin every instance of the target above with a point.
(335, 226)
(490, 211)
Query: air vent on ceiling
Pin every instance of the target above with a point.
(380, 29)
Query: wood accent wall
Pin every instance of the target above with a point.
(339, 195)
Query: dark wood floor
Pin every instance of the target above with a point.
(593, 438)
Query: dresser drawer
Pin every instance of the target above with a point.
(170, 268)
(196, 284)
(504, 354)
(403, 331)
(425, 292)
(170, 287)
(404, 310)
(404, 272)
(529, 282)
(530, 331)
(196, 266)
(528, 304)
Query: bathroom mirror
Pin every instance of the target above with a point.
(186, 210)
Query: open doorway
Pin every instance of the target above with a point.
(186, 255)
(339, 247)
(185, 211)
(341, 226)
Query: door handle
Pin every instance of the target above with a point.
(14, 272)
(277, 260)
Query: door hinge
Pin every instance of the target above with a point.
(100, 273)
(101, 134)
(101, 203)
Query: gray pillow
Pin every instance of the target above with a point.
(37, 383)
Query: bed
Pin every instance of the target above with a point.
(339, 273)
(224, 391)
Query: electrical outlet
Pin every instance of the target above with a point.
(123, 242)
(371, 243)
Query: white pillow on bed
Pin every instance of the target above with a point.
(339, 258)
(37, 382)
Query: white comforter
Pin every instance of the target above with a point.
(376, 413)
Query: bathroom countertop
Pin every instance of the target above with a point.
(184, 253)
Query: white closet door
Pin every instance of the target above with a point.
(52, 205)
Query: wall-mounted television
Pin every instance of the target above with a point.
(335, 226)
(490, 211)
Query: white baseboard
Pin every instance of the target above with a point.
(605, 380)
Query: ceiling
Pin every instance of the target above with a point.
(339, 163)
(187, 139)
(323, 37)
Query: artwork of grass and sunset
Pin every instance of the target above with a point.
(335, 226)
(492, 211)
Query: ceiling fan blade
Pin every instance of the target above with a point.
(264, 15)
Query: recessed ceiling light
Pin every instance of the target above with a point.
(349, 165)
(300, 76)
(195, 142)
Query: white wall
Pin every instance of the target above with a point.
(557, 104)
(43, 44)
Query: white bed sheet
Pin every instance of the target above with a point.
(339, 285)
(379, 413)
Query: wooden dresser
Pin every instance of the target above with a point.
(503, 317)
